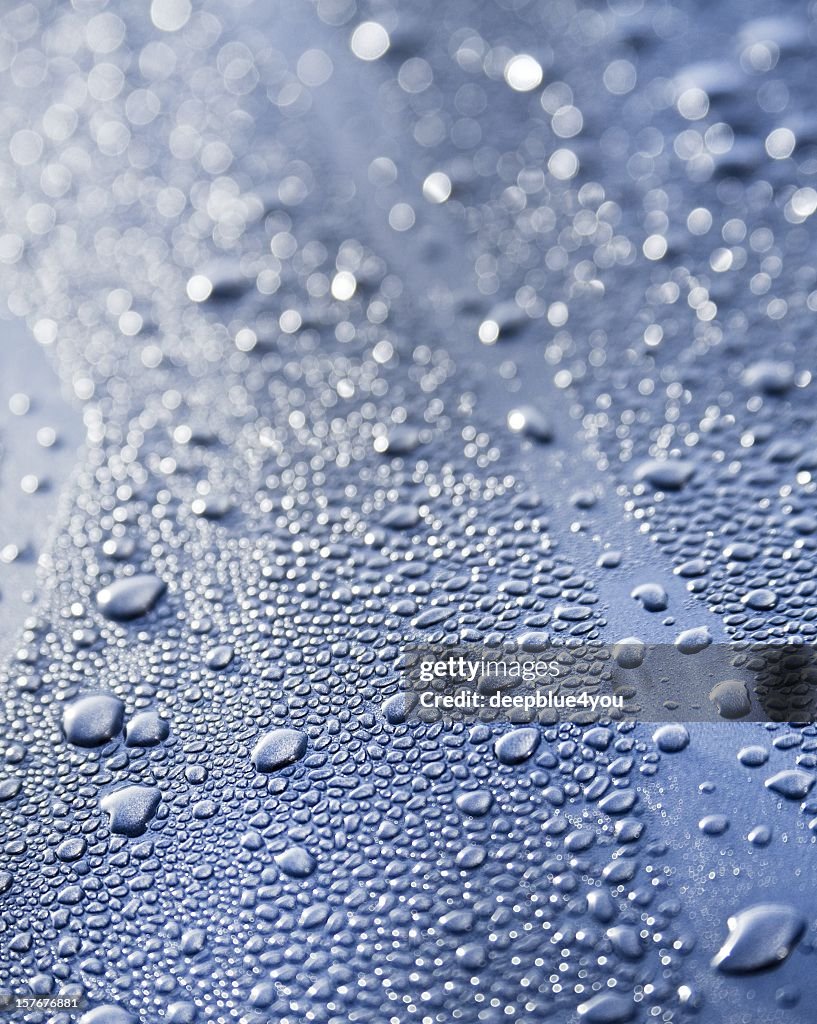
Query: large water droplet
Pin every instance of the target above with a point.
(517, 746)
(93, 720)
(278, 748)
(665, 474)
(131, 597)
(759, 937)
(131, 808)
(671, 738)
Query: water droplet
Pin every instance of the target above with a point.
(370, 41)
(146, 729)
(531, 423)
(753, 756)
(606, 1008)
(130, 597)
(523, 73)
(517, 746)
(792, 783)
(759, 937)
(93, 720)
(278, 748)
(131, 808)
(731, 698)
(671, 738)
(477, 803)
(652, 596)
(108, 1013)
(629, 652)
(693, 641)
(760, 600)
(665, 474)
(714, 824)
(296, 862)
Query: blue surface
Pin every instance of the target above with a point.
(293, 424)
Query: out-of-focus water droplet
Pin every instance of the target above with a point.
(437, 187)
(665, 474)
(400, 441)
(199, 288)
(170, 15)
(530, 422)
(523, 73)
(769, 376)
(369, 41)
(211, 506)
(401, 517)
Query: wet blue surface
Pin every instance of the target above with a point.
(373, 345)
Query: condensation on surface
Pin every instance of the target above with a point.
(449, 324)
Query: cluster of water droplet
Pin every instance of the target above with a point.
(215, 805)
